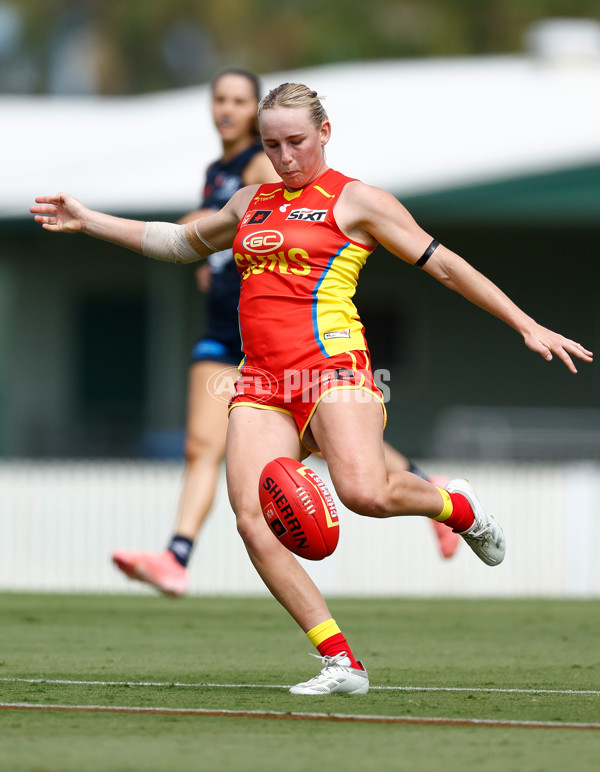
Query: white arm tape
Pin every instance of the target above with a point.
(167, 241)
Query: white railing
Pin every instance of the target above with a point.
(59, 522)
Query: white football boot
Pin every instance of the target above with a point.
(336, 677)
(485, 537)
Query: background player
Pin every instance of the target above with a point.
(235, 97)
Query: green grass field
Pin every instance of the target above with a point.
(518, 661)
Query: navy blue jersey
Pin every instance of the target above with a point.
(223, 179)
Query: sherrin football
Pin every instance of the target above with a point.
(298, 508)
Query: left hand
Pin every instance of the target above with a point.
(549, 343)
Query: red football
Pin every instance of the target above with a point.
(298, 508)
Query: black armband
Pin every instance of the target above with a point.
(427, 254)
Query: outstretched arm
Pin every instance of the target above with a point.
(63, 213)
(455, 273)
(368, 213)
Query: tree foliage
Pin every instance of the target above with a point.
(145, 45)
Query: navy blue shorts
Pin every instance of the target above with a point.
(209, 350)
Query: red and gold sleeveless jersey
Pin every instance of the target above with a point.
(298, 277)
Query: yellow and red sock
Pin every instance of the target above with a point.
(328, 639)
(456, 513)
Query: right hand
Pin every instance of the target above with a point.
(61, 213)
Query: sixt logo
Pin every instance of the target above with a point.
(263, 241)
(307, 215)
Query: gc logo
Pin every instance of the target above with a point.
(263, 241)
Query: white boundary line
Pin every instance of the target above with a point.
(296, 716)
(207, 685)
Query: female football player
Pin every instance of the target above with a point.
(299, 246)
(235, 98)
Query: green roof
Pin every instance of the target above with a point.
(566, 197)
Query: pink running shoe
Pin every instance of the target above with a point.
(161, 570)
(448, 540)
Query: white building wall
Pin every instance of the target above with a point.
(60, 521)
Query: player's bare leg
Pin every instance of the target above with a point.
(354, 421)
(447, 539)
(349, 432)
(254, 438)
(210, 386)
(205, 442)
